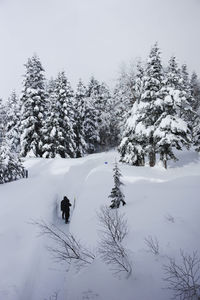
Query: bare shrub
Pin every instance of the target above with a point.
(184, 279)
(66, 247)
(114, 230)
(152, 244)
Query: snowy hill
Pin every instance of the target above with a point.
(160, 203)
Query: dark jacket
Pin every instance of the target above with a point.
(65, 204)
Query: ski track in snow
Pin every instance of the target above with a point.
(27, 270)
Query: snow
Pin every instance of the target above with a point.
(152, 195)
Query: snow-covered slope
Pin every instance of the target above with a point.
(155, 197)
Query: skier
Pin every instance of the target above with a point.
(65, 208)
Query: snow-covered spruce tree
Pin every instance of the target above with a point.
(100, 96)
(33, 109)
(138, 138)
(151, 99)
(171, 131)
(188, 114)
(195, 90)
(124, 98)
(113, 124)
(132, 146)
(90, 126)
(79, 116)
(58, 130)
(11, 167)
(2, 119)
(90, 123)
(12, 123)
(103, 105)
(53, 142)
(139, 75)
(116, 194)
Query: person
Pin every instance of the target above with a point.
(65, 208)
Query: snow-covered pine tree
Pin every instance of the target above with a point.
(151, 99)
(113, 124)
(173, 76)
(195, 90)
(13, 122)
(95, 94)
(139, 81)
(171, 131)
(58, 130)
(90, 123)
(33, 109)
(2, 119)
(124, 98)
(132, 146)
(103, 105)
(53, 142)
(90, 126)
(11, 167)
(138, 138)
(188, 114)
(116, 194)
(65, 102)
(79, 106)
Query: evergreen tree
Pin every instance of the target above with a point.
(91, 118)
(187, 112)
(151, 99)
(173, 75)
(133, 145)
(58, 130)
(103, 106)
(124, 98)
(196, 134)
(195, 91)
(13, 122)
(53, 137)
(79, 103)
(116, 194)
(100, 96)
(138, 138)
(113, 134)
(2, 119)
(33, 108)
(11, 167)
(171, 131)
(90, 126)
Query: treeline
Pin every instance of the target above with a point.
(152, 110)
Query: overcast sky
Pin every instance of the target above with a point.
(93, 37)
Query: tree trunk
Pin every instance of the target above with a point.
(152, 159)
(165, 163)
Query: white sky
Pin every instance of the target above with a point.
(93, 37)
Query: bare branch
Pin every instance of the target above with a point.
(66, 247)
(114, 230)
(152, 244)
(184, 279)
